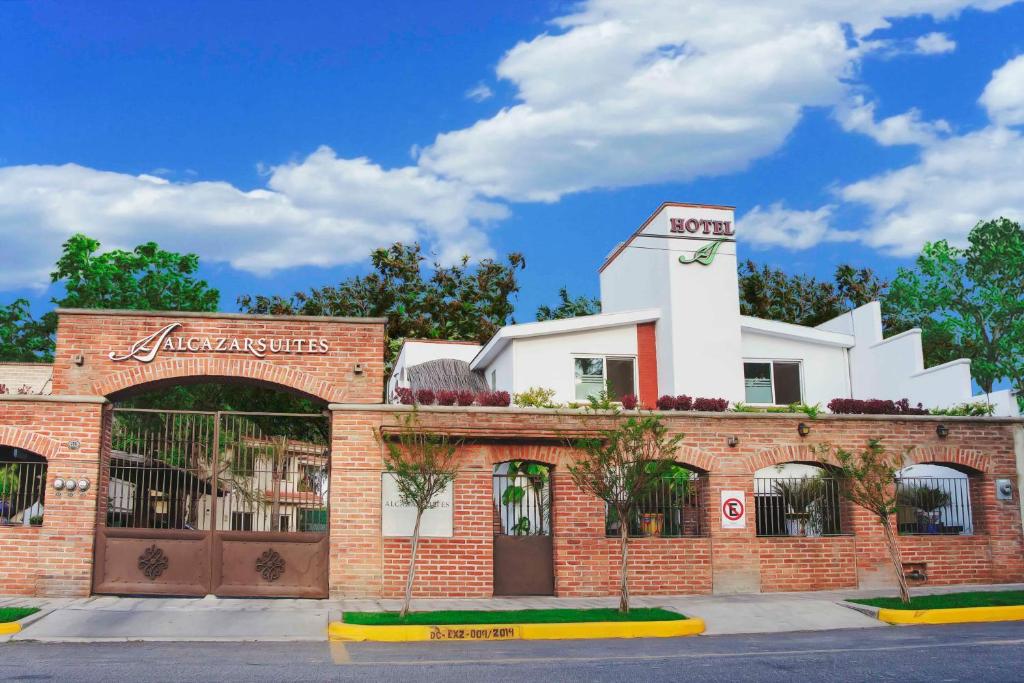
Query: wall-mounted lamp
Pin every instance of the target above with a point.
(732, 441)
(357, 369)
(78, 359)
(942, 430)
(803, 429)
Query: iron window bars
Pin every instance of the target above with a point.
(797, 506)
(22, 488)
(934, 505)
(673, 509)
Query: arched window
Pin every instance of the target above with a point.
(674, 507)
(22, 487)
(797, 499)
(933, 499)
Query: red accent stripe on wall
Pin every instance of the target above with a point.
(647, 364)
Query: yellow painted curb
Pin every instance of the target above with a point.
(338, 630)
(958, 615)
(9, 628)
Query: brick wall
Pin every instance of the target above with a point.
(56, 558)
(586, 562)
(330, 376)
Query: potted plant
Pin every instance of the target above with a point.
(927, 500)
(10, 482)
(798, 498)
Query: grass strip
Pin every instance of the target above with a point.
(524, 616)
(8, 614)
(949, 600)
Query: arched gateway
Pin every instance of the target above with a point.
(221, 502)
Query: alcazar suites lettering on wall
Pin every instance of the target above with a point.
(147, 348)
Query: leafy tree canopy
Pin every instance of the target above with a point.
(23, 339)
(569, 307)
(973, 296)
(459, 302)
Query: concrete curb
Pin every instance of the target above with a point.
(340, 631)
(9, 628)
(958, 615)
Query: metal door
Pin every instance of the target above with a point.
(523, 548)
(233, 504)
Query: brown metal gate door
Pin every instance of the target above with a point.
(523, 549)
(233, 504)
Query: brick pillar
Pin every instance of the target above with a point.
(735, 553)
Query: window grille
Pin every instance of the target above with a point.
(674, 508)
(797, 506)
(934, 505)
(22, 488)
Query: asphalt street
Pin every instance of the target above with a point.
(975, 652)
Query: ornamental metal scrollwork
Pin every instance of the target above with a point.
(153, 562)
(270, 565)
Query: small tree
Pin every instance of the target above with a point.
(621, 466)
(423, 465)
(869, 481)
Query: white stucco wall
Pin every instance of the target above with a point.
(499, 373)
(824, 371)
(548, 361)
(36, 376)
(698, 335)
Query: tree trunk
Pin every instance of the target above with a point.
(412, 565)
(897, 561)
(624, 568)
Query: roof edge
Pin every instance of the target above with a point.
(222, 315)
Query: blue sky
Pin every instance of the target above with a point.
(282, 141)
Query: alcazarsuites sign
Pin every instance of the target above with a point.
(147, 348)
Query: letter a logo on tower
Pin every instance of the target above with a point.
(145, 349)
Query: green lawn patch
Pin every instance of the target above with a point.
(523, 616)
(949, 600)
(8, 614)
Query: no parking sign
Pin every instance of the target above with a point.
(734, 510)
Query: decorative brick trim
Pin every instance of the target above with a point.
(688, 455)
(965, 457)
(216, 368)
(778, 455)
(548, 455)
(29, 441)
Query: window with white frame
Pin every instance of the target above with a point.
(614, 374)
(772, 382)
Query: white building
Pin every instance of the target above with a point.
(671, 324)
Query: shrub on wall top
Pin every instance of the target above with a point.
(404, 395)
(629, 401)
(465, 397)
(874, 406)
(494, 398)
(684, 402)
(425, 397)
(446, 397)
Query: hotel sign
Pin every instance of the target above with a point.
(700, 226)
(147, 348)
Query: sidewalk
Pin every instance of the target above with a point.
(106, 619)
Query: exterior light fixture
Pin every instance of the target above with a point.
(83, 485)
(733, 441)
(942, 430)
(803, 429)
(58, 484)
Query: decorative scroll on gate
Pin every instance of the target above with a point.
(233, 504)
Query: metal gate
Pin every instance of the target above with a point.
(233, 504)
(523, 549)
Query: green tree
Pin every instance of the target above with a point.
(621, 466)
(146, 279)
(569, 307)
(973, 295)
(460, 302)
(23, 339)
(423, 466)
(869, 481)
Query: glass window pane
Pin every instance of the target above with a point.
(757, 379)
(787, 383)
(620, 378)
(589, 377)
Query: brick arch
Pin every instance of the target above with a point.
(778, 455)
(940, 455)
(29, 441)
(545, 454)
(695, 457)
(219, 368)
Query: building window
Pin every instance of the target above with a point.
(594, 374)
(673, 507)
(494, 380)
(285, 523)
(22, 487)
(241, 521)
(933, 499)
(772, 382)
(797, 500)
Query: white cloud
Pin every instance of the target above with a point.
(321, 211)
(1004, 95)
(908, 128)
(629, 93)
(777, 226)
(480, 92)
(955, 183)
(934, 44)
